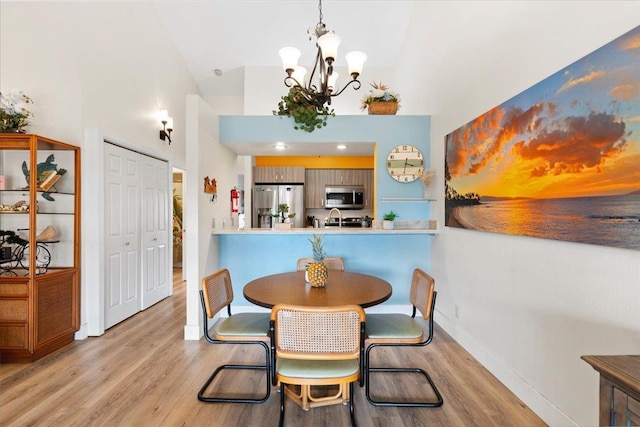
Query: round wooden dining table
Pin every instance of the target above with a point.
(343, 287)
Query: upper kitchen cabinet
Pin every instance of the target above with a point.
(279, 174)
(317, 179)
(40, 247)
(314, 187)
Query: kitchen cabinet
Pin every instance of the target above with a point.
(317, 179)
(279, 174)
(40, 257)
(368, 187)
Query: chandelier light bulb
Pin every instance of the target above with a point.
(332, 81)
(355, 60)
(290, 56)
(329, 45)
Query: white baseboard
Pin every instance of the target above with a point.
(549, 413)
(192, 332)
(82, 333)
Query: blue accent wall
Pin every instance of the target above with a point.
(391, 257)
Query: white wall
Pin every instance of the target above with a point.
(206, 157)
(108, 67)
(95, 64)
(528, 308)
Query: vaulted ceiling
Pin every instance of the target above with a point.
(230, 34)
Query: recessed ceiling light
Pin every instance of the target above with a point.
(280, 146)
(217, 72)
(341, 147)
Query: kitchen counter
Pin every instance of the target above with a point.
(401, 227)
(389, 254)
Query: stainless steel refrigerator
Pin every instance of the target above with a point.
(266, 199)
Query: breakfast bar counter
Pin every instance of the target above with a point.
(391, 255)
(402, 227)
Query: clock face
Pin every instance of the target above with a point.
(405, 163)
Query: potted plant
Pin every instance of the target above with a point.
(380, 100)
(282, 218)
(13, 111)
(387, 220)
(283, 208)
(308, 114)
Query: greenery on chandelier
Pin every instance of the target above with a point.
(308, 114)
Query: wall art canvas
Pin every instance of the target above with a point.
(560, 160)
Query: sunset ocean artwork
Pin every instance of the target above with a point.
(560, 160)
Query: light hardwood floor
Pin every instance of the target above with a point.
(142, 373)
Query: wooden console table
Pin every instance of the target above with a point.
(619, 389)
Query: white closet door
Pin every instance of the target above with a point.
(122, 234)
(155, 231)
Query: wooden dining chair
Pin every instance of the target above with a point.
(316, 346)
(401, 330)
(332, 263)
(239, 329)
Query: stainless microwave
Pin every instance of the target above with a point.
(344, 197)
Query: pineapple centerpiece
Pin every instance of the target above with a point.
(317, 273)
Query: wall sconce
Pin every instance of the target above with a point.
(167, 125)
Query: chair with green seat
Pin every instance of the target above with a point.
(316, 346)
(401, 330)
(241, 328)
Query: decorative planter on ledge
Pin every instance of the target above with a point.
(383, 108)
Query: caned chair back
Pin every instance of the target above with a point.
(217, 291)
(422, 290)
(332, 263)
(318, 333)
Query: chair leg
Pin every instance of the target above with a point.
(368, 369)
(266, 367)
(282, 399)
(351, 409)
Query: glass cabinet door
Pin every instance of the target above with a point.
(37, 206)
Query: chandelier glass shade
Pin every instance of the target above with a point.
(322, 83)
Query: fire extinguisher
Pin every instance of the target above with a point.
(235, 200)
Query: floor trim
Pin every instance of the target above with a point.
(549, 413)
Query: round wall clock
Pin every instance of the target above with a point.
(405, 163)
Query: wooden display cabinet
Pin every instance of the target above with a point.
(619, 388)
(39, 246)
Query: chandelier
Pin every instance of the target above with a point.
(321, 91)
